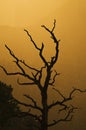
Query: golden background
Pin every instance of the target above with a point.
(70, 15)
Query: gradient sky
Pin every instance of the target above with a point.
(15, 15)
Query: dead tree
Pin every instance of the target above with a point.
(35, 79)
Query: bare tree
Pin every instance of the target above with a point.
(35, 79)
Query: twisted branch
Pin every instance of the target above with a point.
(53, 59)
(39, 49)
(34, 102)
(54, 78)
(65, 99)
(68, 117)
(29, 105)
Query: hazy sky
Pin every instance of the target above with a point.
(71, 29)
(23, 12)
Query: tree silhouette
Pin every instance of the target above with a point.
(35, 79)
(8, 105)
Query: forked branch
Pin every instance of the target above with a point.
(39, 49)
(64, 100)
(36, 107)
(54, 78)
(67, 117)
(53, 59)
(34, 102)
(51, 32)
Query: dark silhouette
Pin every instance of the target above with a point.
(11, 117)
(8, 105)
(35, 79)
(21, 122)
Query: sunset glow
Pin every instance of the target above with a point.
(15, 15)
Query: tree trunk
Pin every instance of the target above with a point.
(44, 111)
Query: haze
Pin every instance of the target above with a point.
(15, 15)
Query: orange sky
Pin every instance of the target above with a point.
(15, 15)
(70, 28)
(24, 12)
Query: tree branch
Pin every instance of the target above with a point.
(8, 73)
(50, 31)
(76, 90)
(39, 49)
(32, 39)
(54, 78)
(59, 93)
(53, 59)
(25, 83)
(54, 25)
(32, 68)
(17, 60)
(23, 73)
(56, 103)
(28, 105)
(40, 72)
(68, 117)
(41, 55)
(65, 99)
(34, 102)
